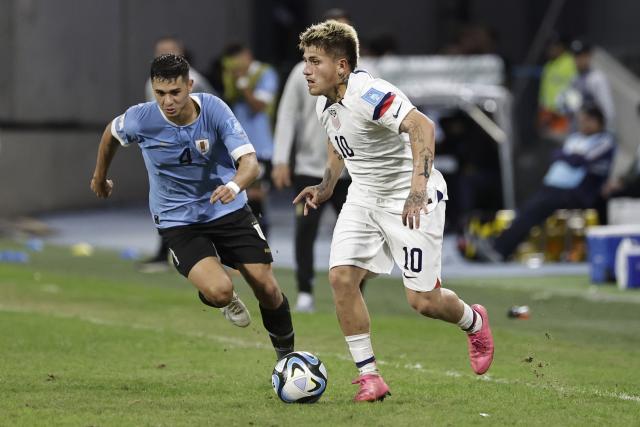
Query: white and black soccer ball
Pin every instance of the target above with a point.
(299, 377)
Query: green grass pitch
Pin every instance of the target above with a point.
(90, 342)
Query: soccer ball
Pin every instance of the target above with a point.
(299, 377)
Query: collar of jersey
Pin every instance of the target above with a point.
(197, 101)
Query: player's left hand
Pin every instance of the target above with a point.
(413, 206)
(224, 194)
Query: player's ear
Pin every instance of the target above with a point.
(190, 85)
(343, 67)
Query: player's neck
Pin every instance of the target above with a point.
(188, 115)
(338, 91)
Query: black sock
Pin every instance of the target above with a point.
(278, 323)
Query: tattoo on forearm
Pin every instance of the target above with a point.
(417, 136)
(428, 162)
(325, 180)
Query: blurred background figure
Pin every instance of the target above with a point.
(250, 88)
(301, 140)
(628, 185)
(170, 45)
(557, 74)
(472, 39)
(574, 181)
(589, 86)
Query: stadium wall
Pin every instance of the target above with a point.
(51, 170)
(74, 65)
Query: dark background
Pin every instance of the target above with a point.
(70, 66)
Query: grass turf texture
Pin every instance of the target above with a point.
(89, 341)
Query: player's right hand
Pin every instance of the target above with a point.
(102, 187)
(311, 197)
(281, 176)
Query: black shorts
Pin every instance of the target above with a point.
(236, 238)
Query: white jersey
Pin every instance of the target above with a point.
(364, 129)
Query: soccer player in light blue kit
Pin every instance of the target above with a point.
(190, 144)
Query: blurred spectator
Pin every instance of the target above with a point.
(337, 14)
(590, 86)
(250, 88)
(472, 40)
(169, 45)
(557, 74)
(299, 132)
(627, 185)
(172, 45)
(574, 181)
(475, 180)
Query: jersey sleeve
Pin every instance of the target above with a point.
(229, 129)
(125, 127)
(267, 86)
(382, 102)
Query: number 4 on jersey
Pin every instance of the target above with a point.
(185, 157)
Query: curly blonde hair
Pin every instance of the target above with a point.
(335, 38)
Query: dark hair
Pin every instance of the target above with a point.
(169, 67)
(579, 46)
(594, 111)
(232, 49)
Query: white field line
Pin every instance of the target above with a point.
(241, 343)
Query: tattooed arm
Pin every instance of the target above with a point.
(320, 193)
(422, 137)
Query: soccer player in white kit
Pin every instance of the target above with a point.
(395, 208)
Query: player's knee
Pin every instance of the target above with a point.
(426, 305)
(270, 291)
(220, 293)
(339, 279)
(344, 285)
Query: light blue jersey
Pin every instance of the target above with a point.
(186, 163)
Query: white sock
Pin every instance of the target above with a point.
(362, 353)
(470, 322)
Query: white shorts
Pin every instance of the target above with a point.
(373, 239)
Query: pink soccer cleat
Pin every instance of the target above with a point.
(481, 343)
(372, 388)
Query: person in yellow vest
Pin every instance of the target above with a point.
(557, 74)
(250, 88)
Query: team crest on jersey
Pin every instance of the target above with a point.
(335, 121)
(373, 96)
(202, 145)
